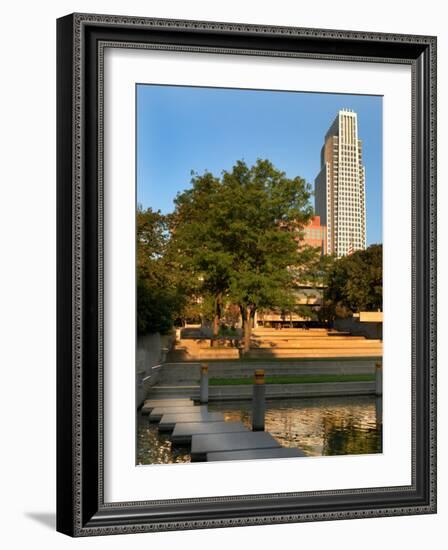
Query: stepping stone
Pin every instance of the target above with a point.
(255, 454)
(150, 404)
(170, 420)
(184, 431)
(203, 444)
(156, 414)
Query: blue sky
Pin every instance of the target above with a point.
(180, 129)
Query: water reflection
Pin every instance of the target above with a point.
(155, 448)
(318, 426)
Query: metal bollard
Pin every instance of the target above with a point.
(204, 384)
(258, 401)
(379, 378)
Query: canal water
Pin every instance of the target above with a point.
(318, 426)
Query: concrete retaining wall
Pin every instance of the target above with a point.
(150, 353)
(372, 331)
(273, 391)
(189, 373)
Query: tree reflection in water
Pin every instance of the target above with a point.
(318, 426)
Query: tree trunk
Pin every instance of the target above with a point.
(252, 317)
(217, 316)
(243, 322)
(215, 325)
(248, 319)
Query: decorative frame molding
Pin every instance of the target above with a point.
(81, 42)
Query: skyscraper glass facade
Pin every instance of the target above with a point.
(340, 187)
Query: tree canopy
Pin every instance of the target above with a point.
(236, 236)
(355, 283)
(232, 242)
(159, 295)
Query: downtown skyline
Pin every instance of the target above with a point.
(185, 129)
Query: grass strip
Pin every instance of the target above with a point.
(304, 379)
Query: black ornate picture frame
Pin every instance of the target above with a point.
(81, 509)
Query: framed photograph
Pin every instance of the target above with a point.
(246, 274)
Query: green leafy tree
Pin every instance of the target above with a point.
(355, 283)
(197, 246)
(159, 297)
(262, 225)
(237, 237)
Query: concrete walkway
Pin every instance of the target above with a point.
(184, 431)
(150, 404)
(210, 437)
(273, 391)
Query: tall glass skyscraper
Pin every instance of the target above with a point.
(340, 197)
